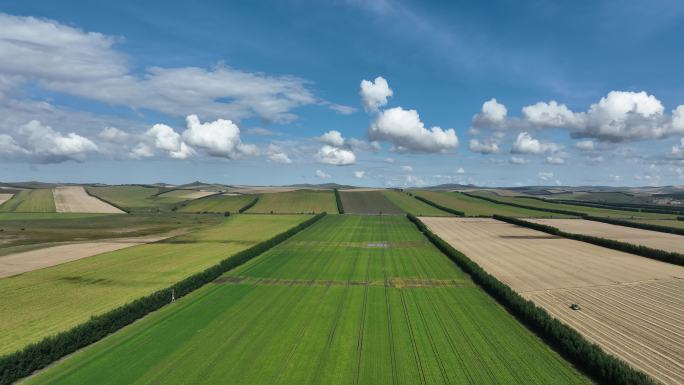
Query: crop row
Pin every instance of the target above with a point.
(437, 205)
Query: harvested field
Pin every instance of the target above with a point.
(179, 195)
(74, 199)
(653, 239)
(5, 197)
(631, 306)
(312, 311)
(293, 202)
(18, 263)
(368, 202)
(473, 207)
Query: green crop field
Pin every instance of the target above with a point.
(368, 202)
(300, 201)
(218, 204)
(474, 207)
(599, 212)
(129, 197)
(30, 201)
(412, 205)
(351, 300)
(661, 222)
(42, 302)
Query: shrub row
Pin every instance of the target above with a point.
(632, 207)
(437, 205)
(338, 199)
(644, 226)
(36, 356)
(590, 358)
(661, 255)
(549, 210)
(248, 205)
(106, 201)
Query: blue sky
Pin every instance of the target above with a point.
(581, 93)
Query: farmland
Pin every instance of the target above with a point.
(4, 197)
(412, 205)
(73, 199)
(474, 207)
(368, 202)
(354, 299)
(30, 201)
(42, 302)
(653, 239)
(218, 204)
(129, 197)
(293, 202)
(629, 304)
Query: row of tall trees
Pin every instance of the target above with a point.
(38, 355)
(338, 199)
(248, 205)
(590, 358)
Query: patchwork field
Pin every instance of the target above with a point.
(412, 205)
(474, 207)
(352, 300)
(74, 199)
(218, 204)
(129, 197)
(293, 202)
(42, 302)
(653, 239)
(175, 196)
(30, 201)
(595, 211)
(4, 197)
(661, 222)
(631, 306)
(368, 202)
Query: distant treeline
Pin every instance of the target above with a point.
(661, 255)
(549, 210)
(248, 205)
(590, 358)
(338, 199)
(437, 205)
(633, 207)
(38, 355)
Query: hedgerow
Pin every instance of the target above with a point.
(338, 199)
(590, 358)
(437, 205)
(248, 205)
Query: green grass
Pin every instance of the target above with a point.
(474, 207)
(334, 322)
(129, 197)
(218, 204)
(661, 222)
(412, 205)
(599, 212)
(42, 302)
(30, 201)
(300, 201)
(368, 202)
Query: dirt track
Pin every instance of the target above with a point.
(74, 199)
(18, 263)
(5, 197)
(654, 239)
(631, 306)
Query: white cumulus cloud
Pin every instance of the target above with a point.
(483, 147)
(584, 145)
(335, 155)
(45, 145)
(404, 129)
(220, 138)
(321, 174)
(492, 115)
(332, 138)
(526, 144)
(374, 94)
(279, 157)
(359, 174)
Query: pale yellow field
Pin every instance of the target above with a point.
(197, 194)
(5, 197)
(74, 199)
(654, 239)
(631, 306)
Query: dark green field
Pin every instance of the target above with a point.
(352, 300)
(368, 202)
(218, 204)
(294, 202)
(474, 207)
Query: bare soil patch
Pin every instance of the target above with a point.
(653, 239)
(631, 306)
(196, 194)
(5, 197)
(74, 199)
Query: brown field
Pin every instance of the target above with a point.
(74, 199)
(654, 239)
(13, 264)
(5, 197)
(196, 194)
(631, 306)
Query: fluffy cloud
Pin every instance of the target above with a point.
(492, 115)
(585, 145)
(374, 94)
(220, 138)
(460, 170)
(517, 160)
(483, 147)
(404, 129)
(555, 160)
(332, 138)
(359, 174)
(526, 144)
(407, 168)
(166, 139)
(335, 155)
(551, 115)
(279, 157)
(40, 143)
(321, 174)
(114, 135)
(362, 145)
(678, 149)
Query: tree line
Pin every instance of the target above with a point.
(38, 355)
(248, 205)
(648, 252)
(590, 358)
(338, 200)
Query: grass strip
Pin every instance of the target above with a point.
(438, 206)
(556, 211)
(36, 356)
(600, 366)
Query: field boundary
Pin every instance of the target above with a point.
(590, 358)
(642, 251)
(248, 205)
(22, 363)
(440, 207)
(105, 200)
(633, 207)
(338, 200)
(548, 210)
